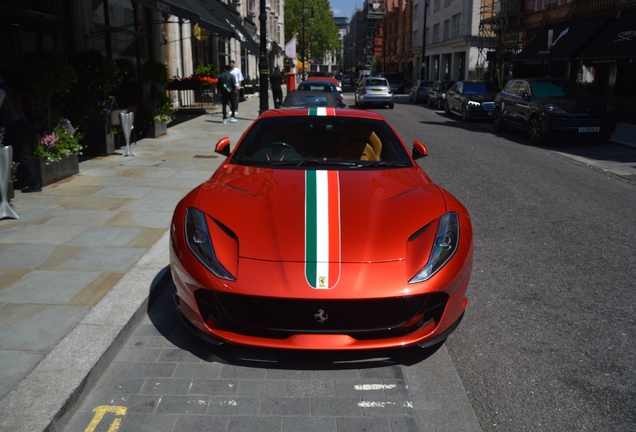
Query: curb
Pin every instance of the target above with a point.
(49, 396)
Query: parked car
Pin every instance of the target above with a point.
(347, 80)
(322, 86)
(471, 99)
(302, 99)
(374, 90)
(293, 241)
(437, 93)
(419, 91)
(547, 107)
(396, 82)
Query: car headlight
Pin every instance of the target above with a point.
(473, 103)
(444, 247)
(200, 243)
(554, 109)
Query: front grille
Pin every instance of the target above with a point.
(488, 106)
(280, 318)
(588, 121)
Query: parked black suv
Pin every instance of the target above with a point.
(547, 107)
(437, 93)
(471, 99)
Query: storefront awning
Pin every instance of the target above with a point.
(232, 21)
(567, 40)
(171, 7)
(207, 19)
(616, 43)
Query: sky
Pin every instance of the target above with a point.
(344, 8)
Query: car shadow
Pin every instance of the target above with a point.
(166, 320)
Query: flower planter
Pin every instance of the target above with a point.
(10, 192)
(110, 144)
(57, 171)
(156, 130)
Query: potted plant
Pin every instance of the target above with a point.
(249, 88)
(56, 154)
(159, 108)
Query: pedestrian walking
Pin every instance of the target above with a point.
(238, 77)
(227, 89)
(17, 135)
(275, 82)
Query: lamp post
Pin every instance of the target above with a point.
(263, 63)
(423, 70)
(302, 45)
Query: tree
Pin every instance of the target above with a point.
(321, 33)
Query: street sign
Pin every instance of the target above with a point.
(550, 33)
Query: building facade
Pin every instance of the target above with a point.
(451, 31)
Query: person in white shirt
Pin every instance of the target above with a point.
(238, 76)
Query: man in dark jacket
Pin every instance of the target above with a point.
(227, 89)
(275, 82)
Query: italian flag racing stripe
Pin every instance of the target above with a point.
(322, 229)
(322, 111)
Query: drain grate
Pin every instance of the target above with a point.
(205, 156)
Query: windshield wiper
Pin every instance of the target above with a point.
(382, 164)
(311, 162)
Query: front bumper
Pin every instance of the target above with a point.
(578, 125)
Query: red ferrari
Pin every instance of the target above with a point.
(320, 232)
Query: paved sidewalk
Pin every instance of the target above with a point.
(77, 267)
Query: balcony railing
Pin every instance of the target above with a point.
(587, 6)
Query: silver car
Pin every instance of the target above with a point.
(374, 90)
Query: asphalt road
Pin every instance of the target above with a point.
(547, 342)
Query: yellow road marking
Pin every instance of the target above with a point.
(100, 411)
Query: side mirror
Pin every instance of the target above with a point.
(526, 96)
(223, 146)
(419, 151)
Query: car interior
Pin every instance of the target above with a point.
(319, 139)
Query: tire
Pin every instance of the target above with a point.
(390, 106)
(535, 134)
(465, 115)
(356, 103)
(439, 105)
(498, 121)
(447, 110)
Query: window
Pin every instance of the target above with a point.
(436, 6)
(416, 41)
(539, 5)
(416, 12)
(436, 33)
(447, 3)
(456, 25)
(446, 29)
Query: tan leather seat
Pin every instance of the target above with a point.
(359, 144)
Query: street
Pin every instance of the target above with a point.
(545, 343)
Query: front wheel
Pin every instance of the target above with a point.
(390, 106)
(439, 105)
(465, 114)
(498, 121)
(447, 108)
(535, 134)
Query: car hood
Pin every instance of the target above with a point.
(578, 105)
(487, 97)
(265, 211)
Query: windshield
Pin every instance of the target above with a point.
(480, 88)
(561, 88)
(309, 86)
(321, 141)
(375, 82)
